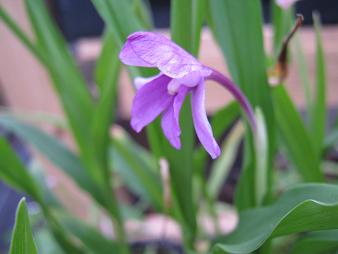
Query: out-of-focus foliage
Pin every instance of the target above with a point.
(106, 157)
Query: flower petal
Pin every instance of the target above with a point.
(171, 119)
(141, 81)
(202, 126)
(154, 50)
(150, 101)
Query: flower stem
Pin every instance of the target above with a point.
(237, 93)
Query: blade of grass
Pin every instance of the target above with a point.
(22, 238)
(303, 73)
(107, 74)
(54, 151)
(261, 147)
(75, 98)
(13, 172)
(137, 168)
(318, 113)
(198, 16)
(295, 136)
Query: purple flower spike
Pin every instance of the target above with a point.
(180, 74)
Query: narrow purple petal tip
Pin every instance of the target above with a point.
(201, 123)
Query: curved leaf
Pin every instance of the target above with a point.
(307, 207)
(317, 243)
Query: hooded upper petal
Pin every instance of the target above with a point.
(150, 101)
(201, 123)
(170, 122)
(149, 49)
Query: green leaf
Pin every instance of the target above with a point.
(14, 173)
(220, 122)
(22, 237)
(180, 162)
(282, 23)
(295, 136)
(307, 207)
(75, 98)
(222, 166)
(318, 113)
(89, 236)
(261, 149)
(121, 23)
(20, 34)
(143, 11)
(317, 243)
(331, 140)
(55, 151)
(304, 73)
(107, 74)
(243, 48)
(198, 16)
(223, 118)
(137, 168)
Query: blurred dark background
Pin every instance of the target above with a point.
(78, 18)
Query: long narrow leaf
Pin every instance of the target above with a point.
(243, 48)
(22, 237)
(107, 74)
(14, 173)
(222, 166)
(137, 168)
(55, 151)
(180, 163)
(318, 113)
(295, 136)
(88, 235)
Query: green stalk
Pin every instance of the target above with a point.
(116, 218)
(22, 36)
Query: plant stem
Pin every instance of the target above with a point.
(116, 218)
(237, 93)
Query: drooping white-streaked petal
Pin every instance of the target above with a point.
(201, 123)
(141, 81)
(171, 119)
(285, 4)
(149, 49)
(150, 101)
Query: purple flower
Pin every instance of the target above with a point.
(180, 74)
